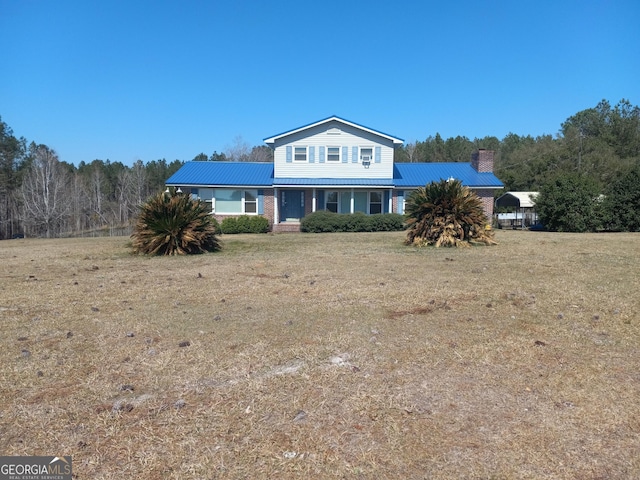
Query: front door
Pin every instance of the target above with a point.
(291, 205)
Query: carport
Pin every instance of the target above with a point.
(521, 207)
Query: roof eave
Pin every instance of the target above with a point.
(396, 141)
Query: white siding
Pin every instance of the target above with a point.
(325, 135)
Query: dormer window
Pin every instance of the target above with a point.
(300, 154)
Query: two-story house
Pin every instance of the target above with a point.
(333, 164)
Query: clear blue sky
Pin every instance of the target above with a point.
(128, 80)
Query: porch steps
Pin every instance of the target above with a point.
(286, 227)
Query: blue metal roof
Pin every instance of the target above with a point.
(223, 174)
(253, 174)
(419, 174)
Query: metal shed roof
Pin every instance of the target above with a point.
(419, 174)
(223, 174)
(516, 199)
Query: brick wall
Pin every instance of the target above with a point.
(269, 205)
(482, 160)
(486, 195)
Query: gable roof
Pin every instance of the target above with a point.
(223, 174)
(414, 175)
(396, 141)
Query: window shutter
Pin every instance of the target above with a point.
(260, 202)
(345, 154)
(385, 202)
(378, 155)
(354, 154)
(320, 200)
(312, 154)
(321, 155)
(289, 154)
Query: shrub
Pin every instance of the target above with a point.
(174, 225)
(387, 222)
(325, 221)
(259, 224)
(446, 214)
(357, 222)
(622, 202)
(244, 224)
(569, 203)
(229, 225)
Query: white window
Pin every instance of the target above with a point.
(366, 155)
(229, 201)
(206, 196)
(300, 154)
(332, 202)
(250, 202)
(375, 202)
(363, 201)
(333, 154)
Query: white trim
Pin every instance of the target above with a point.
(381, 192)
(327, 154)
(243, 201)
(276, 206)
(396, 141)
(306, 153)
(371, 157)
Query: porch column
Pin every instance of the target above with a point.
(353, 202)
(313, 201)
(390, 209)
(276, 208)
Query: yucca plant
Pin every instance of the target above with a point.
(446, 214)
(174, 224)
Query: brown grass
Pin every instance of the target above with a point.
(325, 356)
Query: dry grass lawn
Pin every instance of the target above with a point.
(325, 356)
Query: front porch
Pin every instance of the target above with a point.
(291, 205)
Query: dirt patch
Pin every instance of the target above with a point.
(325, 356)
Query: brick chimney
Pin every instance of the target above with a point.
(482, 160)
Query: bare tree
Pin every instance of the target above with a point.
(239, 151)
(123, 187)
(411, 151)
(95, 190)
(45, 190)
(139, 181)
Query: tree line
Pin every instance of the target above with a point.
(588, 174)
(599, 143)
(42, 195)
